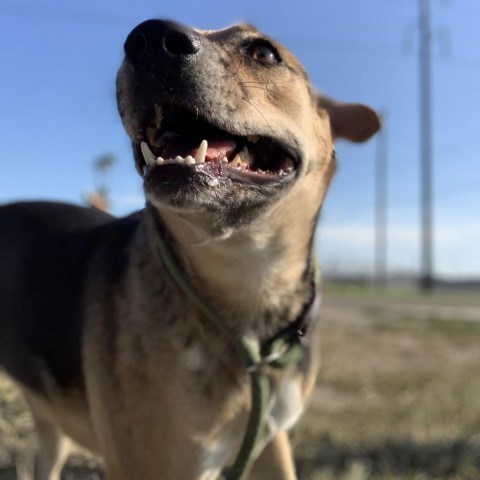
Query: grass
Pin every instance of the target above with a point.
(396, 399)
(406, 294)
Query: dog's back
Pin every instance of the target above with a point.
(43, 252)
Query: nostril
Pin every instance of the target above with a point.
(179, 43)
(154, 43)
(135, 46)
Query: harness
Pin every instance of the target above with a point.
(283, 349)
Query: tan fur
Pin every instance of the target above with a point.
(165, 395)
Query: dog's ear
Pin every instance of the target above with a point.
(352, 121)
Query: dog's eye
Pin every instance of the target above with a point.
(265, 54)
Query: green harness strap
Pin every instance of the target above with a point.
(282, 352)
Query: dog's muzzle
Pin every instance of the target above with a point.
(185, 129)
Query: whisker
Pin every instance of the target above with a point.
(258, 87)
(260, 113)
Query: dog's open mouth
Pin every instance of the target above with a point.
(180, 139)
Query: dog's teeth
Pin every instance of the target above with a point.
(189, 160)
(201, 152)
(179, 159)
(147, 154)
(242, 158)
(225, 160)
(160, 161)
(213, 182)
(245, 156)
(237, 160)
(253, 138)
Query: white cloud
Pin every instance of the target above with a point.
(349, 247)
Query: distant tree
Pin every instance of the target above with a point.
(101, 166)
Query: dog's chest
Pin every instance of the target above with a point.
(285, 407)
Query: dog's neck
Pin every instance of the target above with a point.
(249, 273)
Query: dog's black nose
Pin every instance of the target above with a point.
(154, 42)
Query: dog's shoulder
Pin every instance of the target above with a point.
(47, 252)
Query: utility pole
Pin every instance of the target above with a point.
(425, 67)
(381, 188)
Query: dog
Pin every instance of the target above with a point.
(235, 148)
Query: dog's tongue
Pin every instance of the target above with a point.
(217, 149)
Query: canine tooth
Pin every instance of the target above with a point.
(160, 161)
(213, 182)
(189, 160)
(253, 138)
(147, 154)
(179, 159)
(201, 152)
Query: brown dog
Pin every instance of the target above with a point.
(235, 149)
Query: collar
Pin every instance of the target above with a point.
(287, 346)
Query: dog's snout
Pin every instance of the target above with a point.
(154, 42)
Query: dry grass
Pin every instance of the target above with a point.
(396, 399)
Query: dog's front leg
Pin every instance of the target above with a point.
(52, 452)
(53, 446)
(275, 461)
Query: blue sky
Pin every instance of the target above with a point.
(58, 114)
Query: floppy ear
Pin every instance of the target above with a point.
(352, 121)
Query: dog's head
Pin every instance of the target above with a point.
(225, 123)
